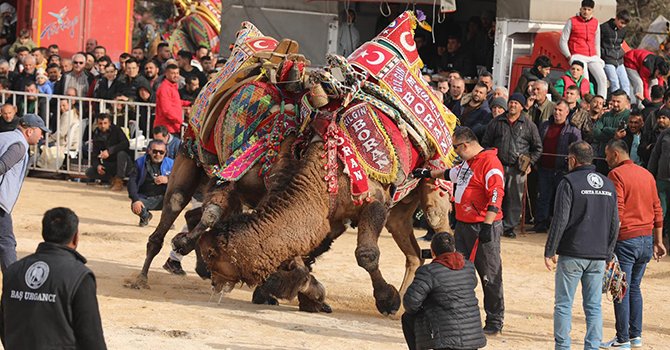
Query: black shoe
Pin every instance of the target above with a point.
(540, 227)
(509, 233)
(174, 267)
(145, 221)
(490, 329)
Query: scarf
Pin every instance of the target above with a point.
(452, 260)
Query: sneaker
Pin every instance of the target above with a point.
(490, 329)
(174, 267)
(509, 233)
(614, 344)
(145, 221)
(636, 342)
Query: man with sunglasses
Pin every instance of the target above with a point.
(478, 194)
(79, 78)
(148, 181)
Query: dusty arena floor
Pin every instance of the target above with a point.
(176, 313)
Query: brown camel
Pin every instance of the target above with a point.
(250, 247)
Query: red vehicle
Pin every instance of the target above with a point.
(69, 23)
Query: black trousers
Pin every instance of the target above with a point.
(489, 267)
(116, 167)
(511, 206)
(408, 331)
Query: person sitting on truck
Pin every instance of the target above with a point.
(612, 34)
(540, 71)
(581, 41)
(575, 76)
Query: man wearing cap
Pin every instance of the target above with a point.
(519, 147)
(498, 106)
(13, 168)
(580, 41)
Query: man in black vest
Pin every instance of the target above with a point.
(583, 234)
(56, 291)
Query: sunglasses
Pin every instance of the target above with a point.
(155, 151)
(78, 62)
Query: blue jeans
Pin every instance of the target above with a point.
(569, 272)
(618, 78)
(547, 182)
(151, 203)
(633, 255)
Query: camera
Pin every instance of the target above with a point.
(426, 254)
(622, 125)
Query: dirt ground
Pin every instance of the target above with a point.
(176, 313)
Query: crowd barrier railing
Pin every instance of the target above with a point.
(68, 148)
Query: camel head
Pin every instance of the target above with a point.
(225, 273)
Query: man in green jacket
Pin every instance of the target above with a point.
(605, 127)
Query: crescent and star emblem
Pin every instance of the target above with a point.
(405, 44)
(260, 44)
(379, 60)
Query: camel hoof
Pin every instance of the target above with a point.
(307, 304)
(140, 282)
(387, 300)
(181, 244)
(260, 298)
(326, 308)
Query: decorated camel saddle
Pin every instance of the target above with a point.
(378, 116)
(243, 114)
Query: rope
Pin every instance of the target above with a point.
(381, 8)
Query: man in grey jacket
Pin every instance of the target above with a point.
(659, 166)
(519, 147)
(13, 169)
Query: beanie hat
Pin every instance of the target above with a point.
(518, 97)
(499, 102)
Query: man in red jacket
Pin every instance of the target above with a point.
(640, 238)
(480, 188)
(644, 70)
(580, 41)
(168, 104)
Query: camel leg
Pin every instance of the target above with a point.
(184, 180)
(372, 217)
(399, 224)
(312, 297)
(219, 204)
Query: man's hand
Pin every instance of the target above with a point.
(619, 134)
(104, 154)
(421, 173)
(530, 168)
(485, 235)
(159, 180)
(137, 207)
(639, 96)
(550, 263)
(659, 251)
(101, 170)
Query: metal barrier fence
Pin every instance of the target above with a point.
(68, 148)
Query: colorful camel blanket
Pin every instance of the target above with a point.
(392, 62)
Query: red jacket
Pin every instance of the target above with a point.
(169, 107)
(637, 199)
(583, 36)
(479, 187)
(584, 85)
(644, 62)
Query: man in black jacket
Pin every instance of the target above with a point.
(519, 147)
(441, 310)
(476, 114)
(49, 298)
(540, 71)
(110, 153)
(583, 233)
(612, 34)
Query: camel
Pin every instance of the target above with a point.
(249, 248)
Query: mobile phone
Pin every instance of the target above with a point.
(622, 125)
(426, 254)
